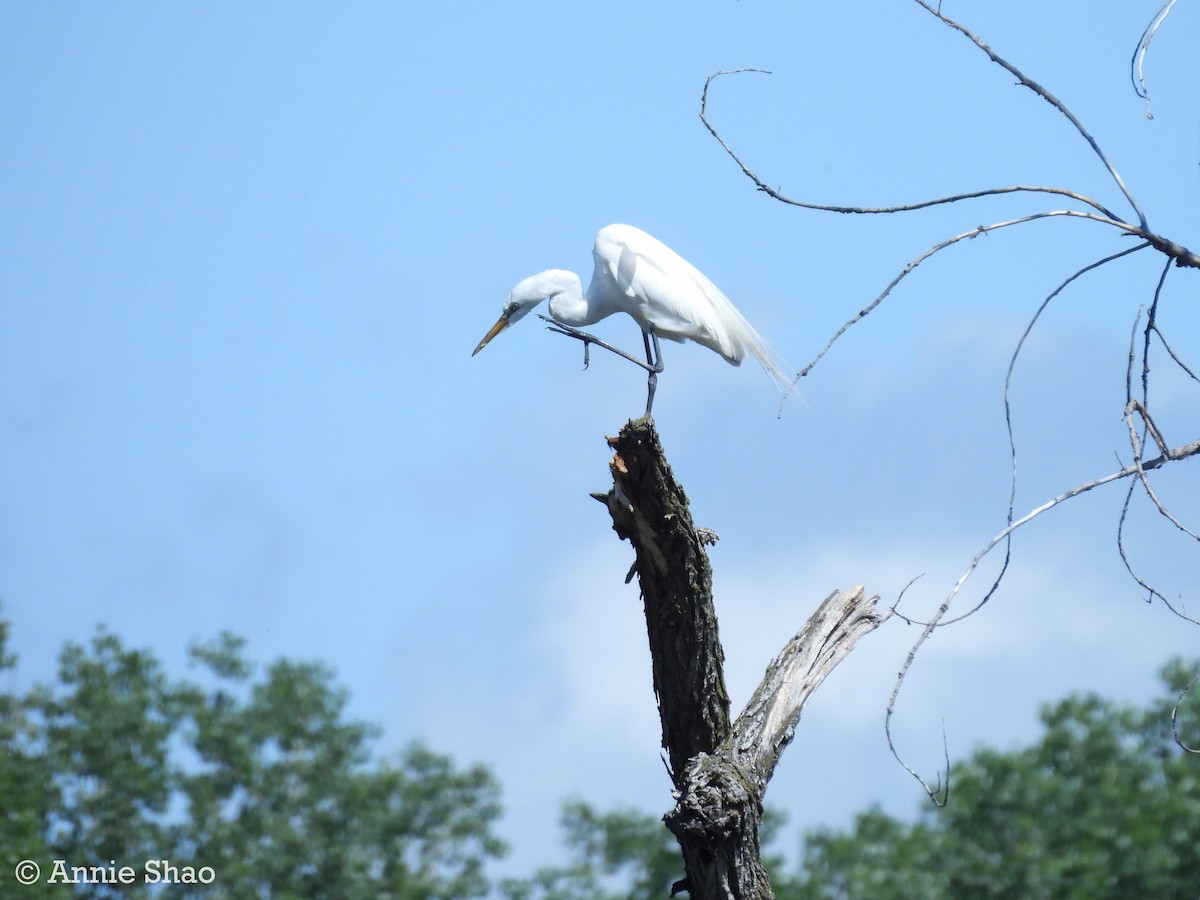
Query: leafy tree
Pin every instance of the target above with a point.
(262, 780)
(25, 788)
(614, 855)
(1105, 805)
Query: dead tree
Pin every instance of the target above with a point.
(720, 768)
(1146, 433)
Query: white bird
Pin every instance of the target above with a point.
(665, 294)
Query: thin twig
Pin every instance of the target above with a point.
(1178, 453)
(1175, 715)
(1137, 442)
(1136, 406)
(1012, 444)
(1137, 64)
(974, 232)
(876, 210)
(1151, 327)
(1012, 363)
(1175, 356)
(1179, 254)
(1151, 591)
(1026, 81)
(1149, 429)
(938, 793)
(900, 597)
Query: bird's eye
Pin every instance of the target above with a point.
(511, 308)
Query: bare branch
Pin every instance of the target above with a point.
(1151, 591)
(875, 210)
(1133, 485)
(939, 793)
(1174, 252)
(907, 620)
(973, 233)
(1175, 356)
(1151, 327)
(1012, 444)
(1135, 442)
(719, 805)
(769, 720)
(1149, 429)
(1012, 363)
(1136, 65)
(1025, 81)
(1175, 716)
(1177, 453)
(1180, 254)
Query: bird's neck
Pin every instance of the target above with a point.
(568, 303)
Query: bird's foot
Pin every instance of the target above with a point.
(587, 339)
(559, 328)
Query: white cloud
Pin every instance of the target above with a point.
(582, 720)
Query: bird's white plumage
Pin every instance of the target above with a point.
(665, 294)
(645, 278)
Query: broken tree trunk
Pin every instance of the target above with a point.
(720, 769)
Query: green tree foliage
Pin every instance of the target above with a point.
(263, 780)
(1105, 805)
(613, 856)
(25, 784)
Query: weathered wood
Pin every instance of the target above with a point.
(720, 806)
(769, 720)
(650, 509)
(720, 770)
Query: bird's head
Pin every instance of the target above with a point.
(526, 295)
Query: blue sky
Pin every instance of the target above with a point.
(247, 250)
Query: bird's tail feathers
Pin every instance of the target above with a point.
(778, 371)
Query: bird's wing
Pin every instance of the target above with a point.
(651, 282)
(654, 284)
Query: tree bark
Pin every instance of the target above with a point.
(720, 769)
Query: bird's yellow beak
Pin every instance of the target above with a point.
(500, 325)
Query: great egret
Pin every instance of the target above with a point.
(665, 294)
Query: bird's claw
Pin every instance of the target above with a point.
(559, 328)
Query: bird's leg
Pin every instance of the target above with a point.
(559, 328)
(654, 365)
